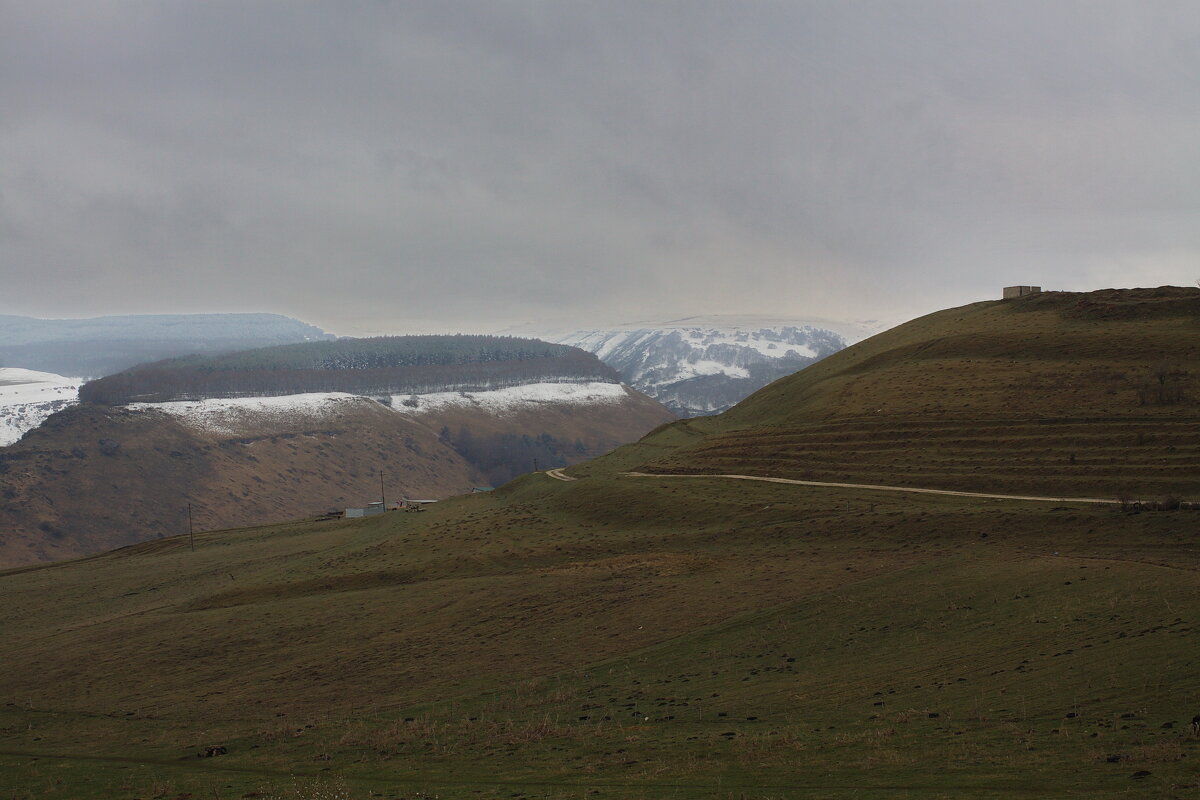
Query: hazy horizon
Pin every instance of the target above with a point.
(374, 167)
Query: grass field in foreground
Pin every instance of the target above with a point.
(622, 638)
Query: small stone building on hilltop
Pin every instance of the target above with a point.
(1017, 291)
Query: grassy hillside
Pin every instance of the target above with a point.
(624, 637)
(1057, 392)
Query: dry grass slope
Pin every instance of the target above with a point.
(641, 638)
(1057, 392)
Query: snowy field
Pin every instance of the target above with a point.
(514, 398)
(233, 415)
(28, 397)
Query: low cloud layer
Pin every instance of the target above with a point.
(385, 167)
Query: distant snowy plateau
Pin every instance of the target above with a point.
(705, 365)
(236, 415)
(28, 397)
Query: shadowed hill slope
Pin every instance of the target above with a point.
(92, 478)
(504, 442)
(95, 477)
(1055, 392)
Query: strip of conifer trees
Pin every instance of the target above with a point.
(377, 366)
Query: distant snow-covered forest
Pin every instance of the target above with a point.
(385, 365)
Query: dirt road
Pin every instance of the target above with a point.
(882, 488)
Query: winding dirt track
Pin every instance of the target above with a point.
(559, 475)
(881, 488)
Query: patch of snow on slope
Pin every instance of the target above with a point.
(766, 342)
(235, 415)
(700, 367)
(515, 398)
(231, 415)
(28, 397)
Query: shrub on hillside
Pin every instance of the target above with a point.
(1167, 386)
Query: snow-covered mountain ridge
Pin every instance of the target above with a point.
(530, 396)
(705, 365)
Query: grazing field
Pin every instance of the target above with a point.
(619, 637)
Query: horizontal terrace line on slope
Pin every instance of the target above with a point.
(884, 488)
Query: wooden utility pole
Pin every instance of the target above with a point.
(382, 496)
(191, 536)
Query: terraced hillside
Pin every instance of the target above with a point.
(1056, 392)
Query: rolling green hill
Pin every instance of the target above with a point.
(624, 637)
(1056, 392)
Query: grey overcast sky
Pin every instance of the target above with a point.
(379, 167)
